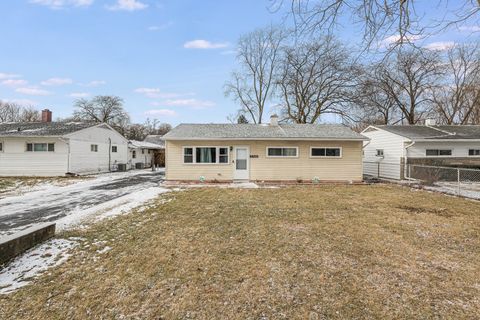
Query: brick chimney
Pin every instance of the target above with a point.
(46, 115)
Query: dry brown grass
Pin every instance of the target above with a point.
(341, 252)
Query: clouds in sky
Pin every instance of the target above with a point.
(56, 82)
(8, 75)
(440, 45)
(470, 28)
(14, 82)
(94, 83)
(127, 5)
(33, 91)
(59, 4)
(156, 93)
(161, 112)
(78, 95)
(192, 103)
(204, 44)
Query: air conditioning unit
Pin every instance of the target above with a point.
(139, 165)
(122, 167)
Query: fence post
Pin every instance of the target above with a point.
(458, 181)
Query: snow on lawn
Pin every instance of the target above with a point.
(135, 200)
(33, 263)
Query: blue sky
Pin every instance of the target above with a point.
(168, 59)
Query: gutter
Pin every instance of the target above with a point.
(67, 142)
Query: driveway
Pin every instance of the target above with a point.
(71, 203)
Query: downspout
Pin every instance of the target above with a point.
(109, 154)
(67, 142)
(406, 158)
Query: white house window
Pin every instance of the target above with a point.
(40, 147)
(94, 147)
(380, 153)
(114, 148)
(326, 152)
(205, 155)
(438, 152)
(282, 152)
(143, 151)
(471, 152)
(1, 146)
(223, 155)
(134, 154)
(187, 155)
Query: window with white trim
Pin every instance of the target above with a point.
(1, 146)
(379, 153)
(40, 147)
(282, 152)
(438, 152)
(325, 152)
(471, 152)
(206, 155)
(94, 147)
(114, 148)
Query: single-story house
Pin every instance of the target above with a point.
(141, 154)
(393, 146)
(58, 148)
(263, 152)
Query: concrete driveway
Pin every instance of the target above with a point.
(70, 204)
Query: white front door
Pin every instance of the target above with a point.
(242, 164)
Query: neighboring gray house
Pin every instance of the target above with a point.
(58, 148)
(441, 145)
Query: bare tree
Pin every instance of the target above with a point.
(457, 99)
(12, 112)
(108, 109)
(408, 78)
(378, 19)
(314, 79)
(9, 112)
(252, 85)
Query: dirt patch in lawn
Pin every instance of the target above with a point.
(298, 252)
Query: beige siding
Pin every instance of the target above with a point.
(346, 168)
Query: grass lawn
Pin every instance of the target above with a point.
(300, 252)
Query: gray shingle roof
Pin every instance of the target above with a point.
(33, 129)
(421, 132)
(262, 131)
(144, 144)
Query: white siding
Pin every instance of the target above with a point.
(85, 161)
(145, 157)
(16, 161)
(393, 148)
(459, 149)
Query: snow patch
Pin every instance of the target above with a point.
(22, 270)
(110, 208)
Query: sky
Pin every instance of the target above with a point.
(168, 59)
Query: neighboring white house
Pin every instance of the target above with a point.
(56, 148)
(393, 146)
(141, 154)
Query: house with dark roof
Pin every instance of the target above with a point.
(49, 148)
(263, 152)
(393, 146)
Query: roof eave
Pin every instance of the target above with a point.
(272, 139)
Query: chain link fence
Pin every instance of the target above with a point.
(463, 182)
